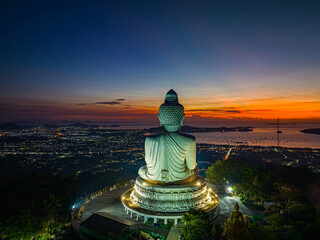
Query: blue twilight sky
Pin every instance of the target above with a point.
(58, 54)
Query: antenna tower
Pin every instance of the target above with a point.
(278, 141)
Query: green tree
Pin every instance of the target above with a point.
(276, 219)
(52, 221)
(216, 173)
(260, 232)
(39, 206)
(216, 233)
(197, 225)
(27, 226)
(287, 193)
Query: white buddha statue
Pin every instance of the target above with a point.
(171, 155)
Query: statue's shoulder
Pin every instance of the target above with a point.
(154, 136)
(183, 137)
(187, 136)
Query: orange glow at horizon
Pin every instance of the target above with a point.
(260, 110)
(147, 109)
(267, 108)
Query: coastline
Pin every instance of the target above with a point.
(315, 131)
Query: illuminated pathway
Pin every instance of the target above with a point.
(110, 202)
(226, 206)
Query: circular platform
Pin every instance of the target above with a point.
(168, 201)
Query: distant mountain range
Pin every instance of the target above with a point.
(12, 126)
(311, 131)
(82, 125)
(76, 125)
(200, 129)
(9, 126)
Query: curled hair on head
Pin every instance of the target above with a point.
(171, 112)
(171, 115)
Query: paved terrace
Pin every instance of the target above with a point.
(110, 202)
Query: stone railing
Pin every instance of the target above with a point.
(80, 207)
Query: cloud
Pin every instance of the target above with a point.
(116, 102)
(233, 111)
(213, 110)
(109, 103)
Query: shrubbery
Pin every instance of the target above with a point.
(197, 225)
(291, 216)
(36, 206)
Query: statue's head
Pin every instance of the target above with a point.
(171, 112)
(236, 207)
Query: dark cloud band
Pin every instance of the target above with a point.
(213, 110)
(109, 103)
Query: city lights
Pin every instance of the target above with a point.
(160, 120)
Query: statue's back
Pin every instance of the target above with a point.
(170, 156)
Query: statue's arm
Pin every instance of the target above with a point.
(231, 216)
(191, 155)
(147, 146)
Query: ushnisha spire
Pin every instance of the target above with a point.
(171, 97)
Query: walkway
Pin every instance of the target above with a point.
(110, 202)
(175, 231)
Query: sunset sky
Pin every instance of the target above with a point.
(114, 61)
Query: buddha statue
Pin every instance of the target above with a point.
(237, 227)
(170, 155)
(169, 185)
(236, 216)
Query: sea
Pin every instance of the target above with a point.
(262, 135)
(289, 138)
